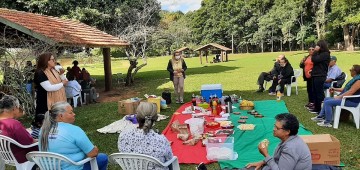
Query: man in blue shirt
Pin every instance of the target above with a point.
(333, 72)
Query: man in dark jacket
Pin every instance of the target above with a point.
(321, 60)
(284, 77)
(267, 76)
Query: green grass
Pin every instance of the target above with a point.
(238, 76)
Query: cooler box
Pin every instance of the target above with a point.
(211, 89)
(156, 101)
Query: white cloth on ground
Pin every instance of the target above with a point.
(122, 124)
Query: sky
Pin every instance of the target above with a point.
(180, 5)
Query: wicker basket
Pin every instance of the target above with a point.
(246, 107)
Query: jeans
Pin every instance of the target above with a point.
(102, 161)
(329, 103)
(282, 84)
(327, 85)
(318, 90)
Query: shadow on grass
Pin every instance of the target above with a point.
(162, 76)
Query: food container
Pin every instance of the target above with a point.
(220, 148)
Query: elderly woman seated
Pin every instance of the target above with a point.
(10, 110)
(144, 140)
(351, 88)
(291, 153)
(59, 135)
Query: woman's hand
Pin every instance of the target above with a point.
(257, 165)
(263, 150)
(175, 72)
(337, 97)
(64, 82)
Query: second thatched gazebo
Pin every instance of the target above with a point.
(211, 47)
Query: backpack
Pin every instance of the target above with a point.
(340, 80)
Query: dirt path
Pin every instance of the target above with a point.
(117, 94)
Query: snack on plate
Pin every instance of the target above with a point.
(243, 117)
(226, 132)
(247, 103)
(241, 121)
(264, 143)
(226, 125)
(246, 127)
(259, 116)
(212, 124)
(236, 113)
(183, 137)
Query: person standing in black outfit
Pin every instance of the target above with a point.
(321, 60)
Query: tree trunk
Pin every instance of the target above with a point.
(289, 45)
(281, 45)
(349, 43)
(132, 66)
(262, 46)
(247, 48)
(272, 40)
(136, 70)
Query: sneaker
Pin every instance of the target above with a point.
(272, 93)
(260, 90)
(309, 105)
(323, 124)
(177, 101)
(182, 102)
(311, 108)
(313, 111)
(317, 119)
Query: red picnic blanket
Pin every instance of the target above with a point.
(186, 154)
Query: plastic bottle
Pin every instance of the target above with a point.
(193, 101)
(278, 96)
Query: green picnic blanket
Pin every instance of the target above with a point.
(246, 142)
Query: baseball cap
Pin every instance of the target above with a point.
(333, 58)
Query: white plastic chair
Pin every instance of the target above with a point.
(134, 161)
(297, 74)
(327, 91)
(354, 110)
(69, 95)
(52, 161)
(8, 157)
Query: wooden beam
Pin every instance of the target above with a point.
(201, 52)
(107, 69)
(27, 31)
(206, 54)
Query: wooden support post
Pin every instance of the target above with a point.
(201, 57)
(227, 58)
(107, 68)
(206, 54)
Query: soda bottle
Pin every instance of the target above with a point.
(278, 96)
(193, 101)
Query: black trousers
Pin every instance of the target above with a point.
(262, 77)
(282, 84)
(309, 88)
(318, 91)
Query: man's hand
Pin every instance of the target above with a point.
(257, 165)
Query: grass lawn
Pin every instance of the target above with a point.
(238, 76)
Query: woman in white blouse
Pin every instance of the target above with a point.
(144, 140)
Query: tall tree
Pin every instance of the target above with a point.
(136, 22)
(346, 14)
